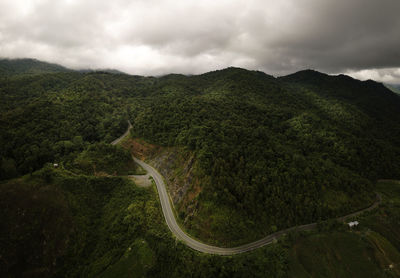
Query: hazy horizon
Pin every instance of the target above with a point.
(358, 38)
(186, 74)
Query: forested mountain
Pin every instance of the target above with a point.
(113, 71)
(249, 153)
(10, 67)
(49, 117)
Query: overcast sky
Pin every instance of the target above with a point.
(150, 37)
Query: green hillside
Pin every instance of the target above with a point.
(12, 67)
(243, 154)
(104, 159)
(52, 117)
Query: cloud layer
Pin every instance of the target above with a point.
(150, 37)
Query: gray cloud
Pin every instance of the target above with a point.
(359, 37)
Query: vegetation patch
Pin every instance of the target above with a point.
(101, 158)
(141, 180)
(139, 148)
(138, 259)
(35, 228)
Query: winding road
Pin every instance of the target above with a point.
(116, 141)
(205, 248)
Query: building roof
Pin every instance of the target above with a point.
(353, 223)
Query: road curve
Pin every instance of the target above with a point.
(116, 141)
(205, 248)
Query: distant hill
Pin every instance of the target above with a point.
(393, 87)
(10, 67)
(111, 71)
(370, 96)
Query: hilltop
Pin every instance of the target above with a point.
(27, 66)
(9, 67)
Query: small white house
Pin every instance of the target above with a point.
(55, 165)
(353, 224)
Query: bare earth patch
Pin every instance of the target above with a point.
(141, 180)
(140, 148)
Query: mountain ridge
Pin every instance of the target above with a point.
(29, 66)
(40, 67)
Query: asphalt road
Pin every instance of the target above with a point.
(205, 248)
(116, 141)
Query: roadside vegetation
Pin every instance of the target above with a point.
(105, 159)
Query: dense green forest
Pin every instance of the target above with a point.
(52, 117)
(269, 153)
(103, 159)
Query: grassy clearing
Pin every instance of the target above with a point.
(138, 170)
